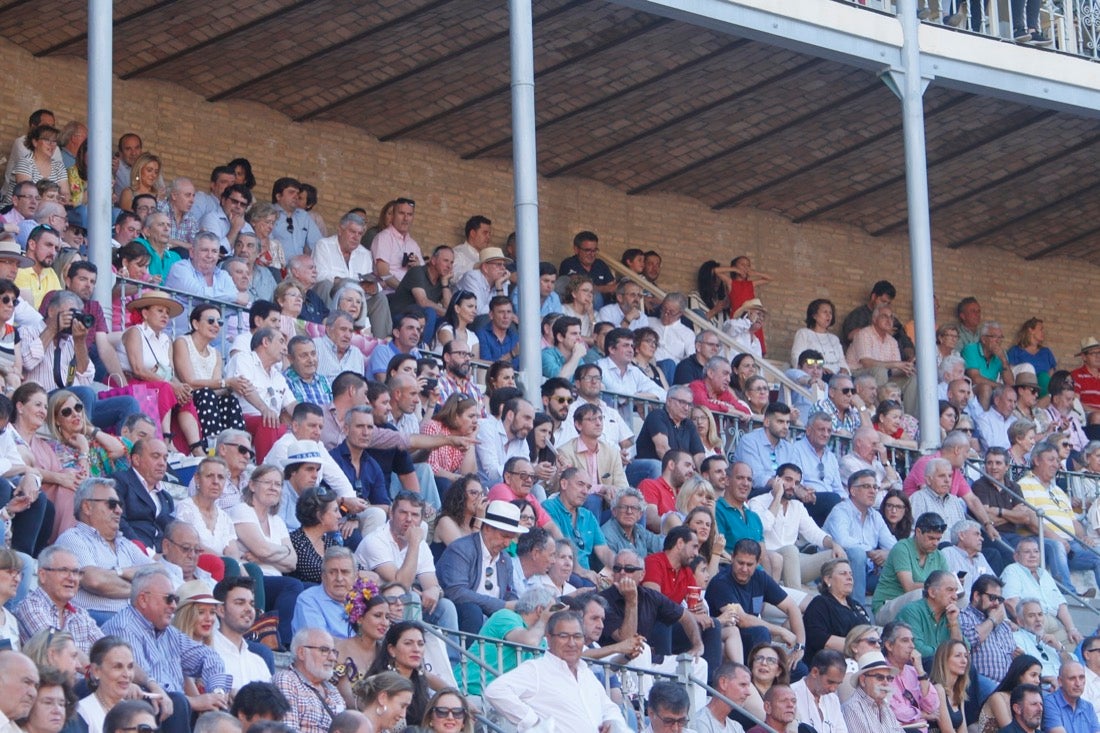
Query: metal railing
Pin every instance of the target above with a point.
(1043, 518)
(634, 680)
(1072, 25)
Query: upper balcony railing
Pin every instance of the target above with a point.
(1069, 26)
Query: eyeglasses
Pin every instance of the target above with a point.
(238, 202)
(244, 450)
(9, 300)
(393, 599)
(672, 722)
(846, 390)
(211, 321)
(890, 507)
(881, 677)
(563, 636)
(31, 196)
(1090, 651)
(872, 640)
(456, 713)
(186, 549)
(766, 660)
(629, 508)
(325, 650)
(872, 487)
(68, 411)
(627, 568)
(143, 728)
(75, 572)
(112, 504)
(524, 477)
(588, 250)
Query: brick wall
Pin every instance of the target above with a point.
(351, 168)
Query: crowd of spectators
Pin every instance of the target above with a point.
(309, 457)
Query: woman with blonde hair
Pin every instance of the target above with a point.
(448, 712)
(195, 616)
(696, 491)
(144, 177)
(708, 431)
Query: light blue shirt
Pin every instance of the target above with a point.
(849, 529)
(184, 277)
(613, 314)
(380, 357)
(315, 610)
(304, 236)
(755, 449)
(820, 473)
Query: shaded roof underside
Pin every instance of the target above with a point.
(638, 102)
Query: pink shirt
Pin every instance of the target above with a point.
(866, 344)
(504, 491)
(915, 480)
(392, 246)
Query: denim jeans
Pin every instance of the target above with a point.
(1079, 557)
(864, 581)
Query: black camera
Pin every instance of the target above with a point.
(87, 319)
(406, 259)
(429, 385)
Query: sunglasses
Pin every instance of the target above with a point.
(244, 450)
(78, 408)
(169, 598)
(563, 400)
(211, 321)
(289, 225)
(407, 202)
(847, 390)
(626, 568)
(994, 597)
(456, 713)
(112, 504)
(9, 300)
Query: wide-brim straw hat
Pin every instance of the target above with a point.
(156, 297)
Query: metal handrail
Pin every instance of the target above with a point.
(1042, 517)
(706, 325)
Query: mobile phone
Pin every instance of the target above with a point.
(558, 607)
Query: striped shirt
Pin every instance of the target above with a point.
(92, 550)
(38, 612)
(1053, 501)
(318, 391)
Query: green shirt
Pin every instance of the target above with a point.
(497, 626)
(737, 524)
(904, 558)
(927, 632)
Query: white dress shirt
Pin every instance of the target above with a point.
(466, 258)
(270, 383)
(245, 666)
(331, 264)
(536, 690)
(630, 382)
(676, 341)
(783, 529)
(823, 714)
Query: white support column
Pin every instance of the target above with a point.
(909, 86)
(525, 172)
(100, 180)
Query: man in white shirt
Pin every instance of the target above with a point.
(964, 556)
(270, 398)
(995, 422)
(619, 374)
(341, 259)
(734, 681)
(221, 178)
(588, 380)
(501, 439)
(868, 453)
(785, 519)
(677, 341)
(398, 551)
(228, 219)
(236, 614)
(534, 691)
(626, 311)
(488, 279)
(479, 232)
(335, 353)
(815, 694)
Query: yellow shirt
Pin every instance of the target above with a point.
(37, 285)
(1053, 501)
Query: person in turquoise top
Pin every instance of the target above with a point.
(155, 238)
(735, 520)
(577, 524)
(987, 363)
(907, 566)
(563, 358)
(526, 624)
(934, 618)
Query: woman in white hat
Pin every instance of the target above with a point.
(145, 353)
(196, 617)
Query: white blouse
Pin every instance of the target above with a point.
(223, 533)
(244, 514)
(156, 352)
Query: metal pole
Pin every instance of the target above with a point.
(909, 85)
(525, 167)
(100, 66)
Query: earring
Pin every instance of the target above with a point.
(381, 710)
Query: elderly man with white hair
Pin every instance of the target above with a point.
(314, 700)
(964, 557)
(935, 496)
(869, 453)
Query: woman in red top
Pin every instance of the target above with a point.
(457, 416)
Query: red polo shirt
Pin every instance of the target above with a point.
(658, 493)
(1088, 387)
(674, 584)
